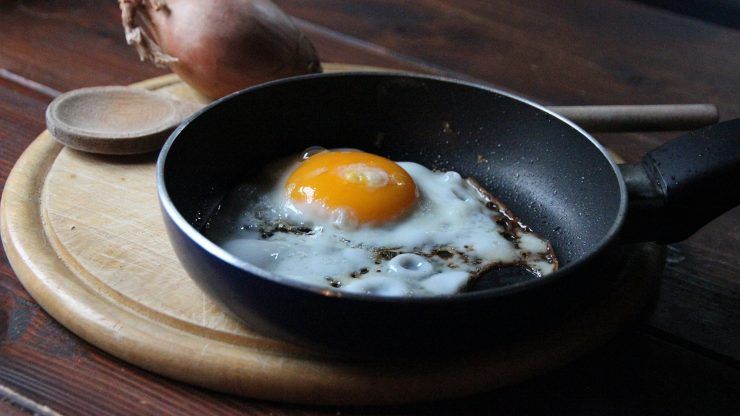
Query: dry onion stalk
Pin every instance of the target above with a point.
(218, 46)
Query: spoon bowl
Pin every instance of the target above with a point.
(115, 120)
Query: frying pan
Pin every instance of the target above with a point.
(550, 172)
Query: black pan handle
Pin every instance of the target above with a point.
(682, 185)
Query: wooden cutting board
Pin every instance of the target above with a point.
(84, 235)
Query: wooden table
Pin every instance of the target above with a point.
(683, 358)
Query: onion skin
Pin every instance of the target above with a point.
(220, 46)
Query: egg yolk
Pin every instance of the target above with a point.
(370, 188)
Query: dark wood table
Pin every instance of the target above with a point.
(683, 358)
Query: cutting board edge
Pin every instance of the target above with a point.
(34, 275)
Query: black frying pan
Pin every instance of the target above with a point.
(545, 168)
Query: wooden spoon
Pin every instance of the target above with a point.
(127, 120)
(115, 120)
(624, 118)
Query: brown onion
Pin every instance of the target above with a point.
(218, 46)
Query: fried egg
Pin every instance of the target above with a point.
(352, 221)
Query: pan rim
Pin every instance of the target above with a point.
(214, 250)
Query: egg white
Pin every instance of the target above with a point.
(449, 238)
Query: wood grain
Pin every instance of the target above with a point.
(94, 254)
(115, 120)
(49, 47)
(647, 376)
(67, 60)
(606, 52)
(21, 114)
(88, 36)
(621, 118)
(13, 403)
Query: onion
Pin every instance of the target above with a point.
(218, 46)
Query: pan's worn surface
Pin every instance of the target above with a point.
(550, 172)
(86, 238)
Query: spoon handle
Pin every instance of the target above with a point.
(622, 118)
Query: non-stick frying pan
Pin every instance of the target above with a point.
(550, 172)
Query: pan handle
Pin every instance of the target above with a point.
(682, 185)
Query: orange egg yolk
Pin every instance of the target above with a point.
(372, 189)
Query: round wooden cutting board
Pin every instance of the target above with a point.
(84, 234)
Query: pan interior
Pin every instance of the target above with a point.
(546, 171)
